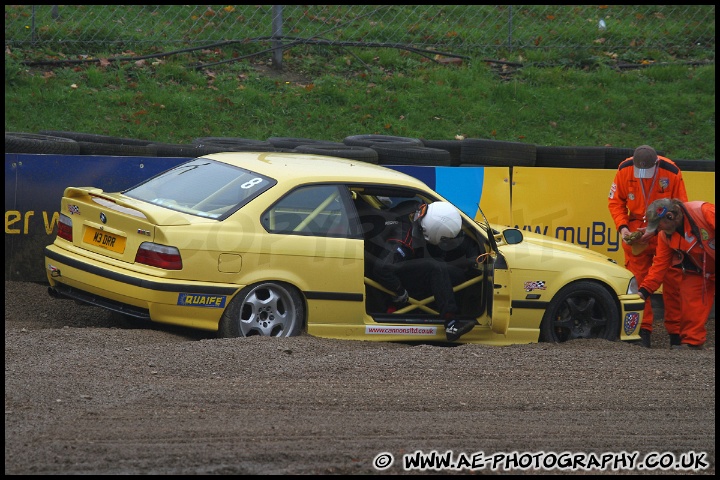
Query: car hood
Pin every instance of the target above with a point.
(550, 247)
(557, 244)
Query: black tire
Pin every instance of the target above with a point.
(184, 150)
(696, 165)
(452, 146)
(571, 157)
(293, 142)
(392, 154)
(582, 309)
(96, 138)
(363, 154)
(117, 150)
(480, 151)
(269, 309)
(19, 142)
(615, 155)
(232, 144)
(369, 140)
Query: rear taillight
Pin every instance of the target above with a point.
(65, 228)
(160, 256)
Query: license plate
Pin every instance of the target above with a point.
(109, 241)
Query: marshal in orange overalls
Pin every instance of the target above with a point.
(691, 251)
(628, 200)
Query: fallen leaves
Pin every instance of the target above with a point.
(448, 60)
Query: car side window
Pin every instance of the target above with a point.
(317, 210)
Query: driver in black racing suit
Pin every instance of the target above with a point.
(421, 258)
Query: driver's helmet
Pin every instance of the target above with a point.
(439, 220)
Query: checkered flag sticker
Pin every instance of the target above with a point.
(631, 321)
(74, 209)
(537, 285)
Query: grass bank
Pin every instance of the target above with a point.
(671, 107)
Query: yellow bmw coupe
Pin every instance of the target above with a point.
(278, 244)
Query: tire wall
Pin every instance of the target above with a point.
(566, 203)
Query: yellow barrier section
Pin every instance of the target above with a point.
(567, 203)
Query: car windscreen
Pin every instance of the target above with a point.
(202, 187)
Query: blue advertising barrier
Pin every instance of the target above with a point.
(570, 204)
(34, 185)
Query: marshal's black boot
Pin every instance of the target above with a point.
(645, 338)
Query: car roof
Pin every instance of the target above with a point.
(307, 168)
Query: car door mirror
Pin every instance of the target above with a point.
(512, 236)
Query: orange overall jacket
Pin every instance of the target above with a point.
(693, 250)
(628, 200)
(629, 196)
(692, 253)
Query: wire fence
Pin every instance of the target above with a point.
(632, 32)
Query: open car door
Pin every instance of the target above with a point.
(497, 274)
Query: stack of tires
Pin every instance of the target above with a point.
(370, 148)
(327, 148)
(20, 142)
(394, 150)
(95, 144)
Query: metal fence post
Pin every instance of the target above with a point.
(277, 25)
(510, 19)
(32, 31)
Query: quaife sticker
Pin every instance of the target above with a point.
(200, 300)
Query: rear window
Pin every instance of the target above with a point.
(202, 187)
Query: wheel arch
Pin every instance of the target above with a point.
(574, 284)
(598, 281)
(237, 298)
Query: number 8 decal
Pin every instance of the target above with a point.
(251, 183)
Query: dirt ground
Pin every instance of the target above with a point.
(86, 393)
